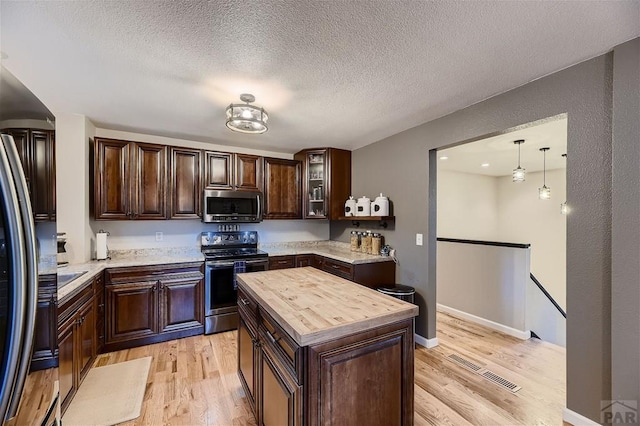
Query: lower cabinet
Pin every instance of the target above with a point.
(372, 274)
(364, 378)
(45, 339)
(153, 304)
(76, 341)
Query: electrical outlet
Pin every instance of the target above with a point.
(159, 236)
(418, 239)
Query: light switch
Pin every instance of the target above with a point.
(158, 236)
(418, 239)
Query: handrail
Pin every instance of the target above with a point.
(546, 293)
(485, 243)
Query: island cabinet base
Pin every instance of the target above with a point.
(364, 379)
(361, 379)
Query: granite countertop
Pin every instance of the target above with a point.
(313, 306)
(331, 249)
(125, 258)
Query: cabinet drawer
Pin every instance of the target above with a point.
(247, 305)
(282, 262)
(152, 273)
(281, 344)
(343, 270)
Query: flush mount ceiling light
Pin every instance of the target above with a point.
(564, 208)
(444, 157)
(544, 193)
(518, 172)
(246, 118)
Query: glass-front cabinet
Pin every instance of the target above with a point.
(326, 183)
(316, 170)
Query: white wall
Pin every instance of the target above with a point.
(467, 206)
(523, 217)
(72, 183)
(478, 207)
(491, 285)
(183, 233)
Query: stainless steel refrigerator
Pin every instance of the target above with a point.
(18, 278)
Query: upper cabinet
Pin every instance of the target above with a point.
(282, 189)
(225, 170)
(36, 149)
(130, 180)
(326, 182)
(186, 184)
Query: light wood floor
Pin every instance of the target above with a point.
(193, 381)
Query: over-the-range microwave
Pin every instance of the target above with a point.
(231, 206)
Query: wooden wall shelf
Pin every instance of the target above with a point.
(355, 220)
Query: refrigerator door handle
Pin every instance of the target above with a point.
(29, 277)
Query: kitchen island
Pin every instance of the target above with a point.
(315, 349)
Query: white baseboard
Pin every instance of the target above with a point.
(427, 343)
(576, 419)
(520, 334)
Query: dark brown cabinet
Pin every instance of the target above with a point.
(303, 260)
(153, 304)
(282, 262)
(326, 182)
(76, 341)
(130, 180)
(282, 189)
(225, 170)
(186, 183)
(333, 382)
(36, 149)
(45, 339)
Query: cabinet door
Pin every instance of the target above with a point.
(86, 338)
(132, 311)
(186, 188)
(150, 184)
(66, 360)
(248, 173)
(181, 304)
(303, 260)
(42, 175)
(281, 396)
(246, 361)
(282, 189)
(218, 170)
(111, 179)
(100, 314)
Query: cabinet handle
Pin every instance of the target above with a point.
(245, 302)
(272, 338)
(335, 266)
(153, 289)
(157, 273)
(161, 285)
(101, 305)
(282, 262)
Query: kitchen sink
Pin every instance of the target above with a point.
(66, 278)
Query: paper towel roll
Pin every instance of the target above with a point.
(101, 245)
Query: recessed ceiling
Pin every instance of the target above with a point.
(501, 154)
(329, 73)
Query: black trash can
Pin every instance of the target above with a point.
(399, 291)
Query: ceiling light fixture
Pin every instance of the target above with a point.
(444, 157)
(484, 165)
(544, 193)
(247, 118)
(518, 172)
(564, 208)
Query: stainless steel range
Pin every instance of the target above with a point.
(226, 254)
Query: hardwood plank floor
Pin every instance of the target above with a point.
(193, 381)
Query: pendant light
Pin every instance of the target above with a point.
(564, 208)
(544, 193)
(247, 118)
(518, 172)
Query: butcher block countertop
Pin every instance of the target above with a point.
(313, 306)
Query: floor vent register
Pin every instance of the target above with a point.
(489, 375)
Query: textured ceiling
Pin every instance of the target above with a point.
(502, 154)
(334, 73)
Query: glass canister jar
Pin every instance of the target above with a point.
(376, 243)
(355, 243)
(366, 242)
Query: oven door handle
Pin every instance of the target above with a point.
(218, 264)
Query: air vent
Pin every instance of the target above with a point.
(466, 364)
(512, 387)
